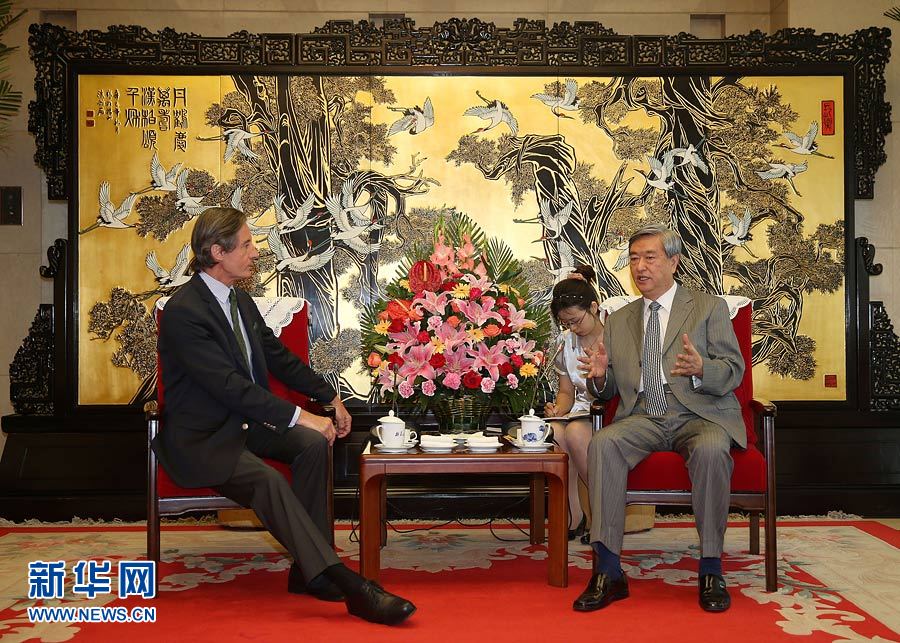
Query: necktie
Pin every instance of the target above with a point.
(236, 326)
(652, 364)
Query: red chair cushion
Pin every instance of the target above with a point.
(296, 337)
(744, 391)
(666, 470)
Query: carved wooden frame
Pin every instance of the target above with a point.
(464, 46)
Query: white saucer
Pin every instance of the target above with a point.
(482, 449)
(403, 448)
(446, 449)
(537, 446)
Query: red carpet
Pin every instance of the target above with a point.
(840, 583)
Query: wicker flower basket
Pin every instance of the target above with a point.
(461, 414)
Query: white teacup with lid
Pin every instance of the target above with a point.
(392, 431)
(534, 430)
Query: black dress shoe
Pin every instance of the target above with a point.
(580, 530)
(320, 587)
(713, 594)
(374, 604)
(601, 590)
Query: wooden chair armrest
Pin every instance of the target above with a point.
(763, 407)
(766, 411)
(151, 411)
(598, 411)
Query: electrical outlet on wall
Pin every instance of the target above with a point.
(11, 205)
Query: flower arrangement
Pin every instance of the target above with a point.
(457, 323)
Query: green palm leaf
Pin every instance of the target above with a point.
(10, 99)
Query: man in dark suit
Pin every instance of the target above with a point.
(220, 419)
(674, 360)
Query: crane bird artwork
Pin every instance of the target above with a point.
(160, 179)
(306, 262)
(740, 230)
(807, 144)
(109, 215)
(554, 222)
(190, 204)
(783, 170)
(236, 141)
(494, 111)
(567, 101)
(177, 276)
(415, 120)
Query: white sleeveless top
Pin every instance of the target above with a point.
(566, 363)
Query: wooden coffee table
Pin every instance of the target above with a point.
(551, 466)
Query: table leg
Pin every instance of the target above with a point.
(558, 572)
(383, 521)
(370, 521)
(537, 509)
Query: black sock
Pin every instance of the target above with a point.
(346, 579)
(710, 566)
(606, 562)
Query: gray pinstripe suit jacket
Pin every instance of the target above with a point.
(705, 319)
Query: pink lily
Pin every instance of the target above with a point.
(479, 313)
(517, 319)
(434, 303)
(416, 363)
(479, 281)
(490, 358)
(451, 337)
(458, 360)
(405, 338)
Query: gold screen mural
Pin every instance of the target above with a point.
(340, 175)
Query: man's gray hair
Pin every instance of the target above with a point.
(670, 240)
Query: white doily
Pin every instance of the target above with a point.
(613, 304)
(276, 311)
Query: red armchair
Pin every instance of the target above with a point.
(164, 497)
(662, 478)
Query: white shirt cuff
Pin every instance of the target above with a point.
(296, 416)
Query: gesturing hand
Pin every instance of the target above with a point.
(594, 362)
(688, 362)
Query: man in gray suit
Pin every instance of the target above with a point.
(220, 418)
(673, 359)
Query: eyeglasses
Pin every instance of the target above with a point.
(572, 324)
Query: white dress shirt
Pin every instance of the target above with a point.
(665, 302)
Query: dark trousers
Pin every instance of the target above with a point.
(296, 514)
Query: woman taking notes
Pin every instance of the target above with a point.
(576, 309)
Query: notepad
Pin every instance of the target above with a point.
(576, 415)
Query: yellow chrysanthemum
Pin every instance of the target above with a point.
(475, 333)
(528, 323)
(462, 291)
(382, 327)
(404, 283)
(504, 288)
(438, 345)
(528, 370)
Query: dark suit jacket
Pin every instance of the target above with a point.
(209, 398)
(705, 319)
